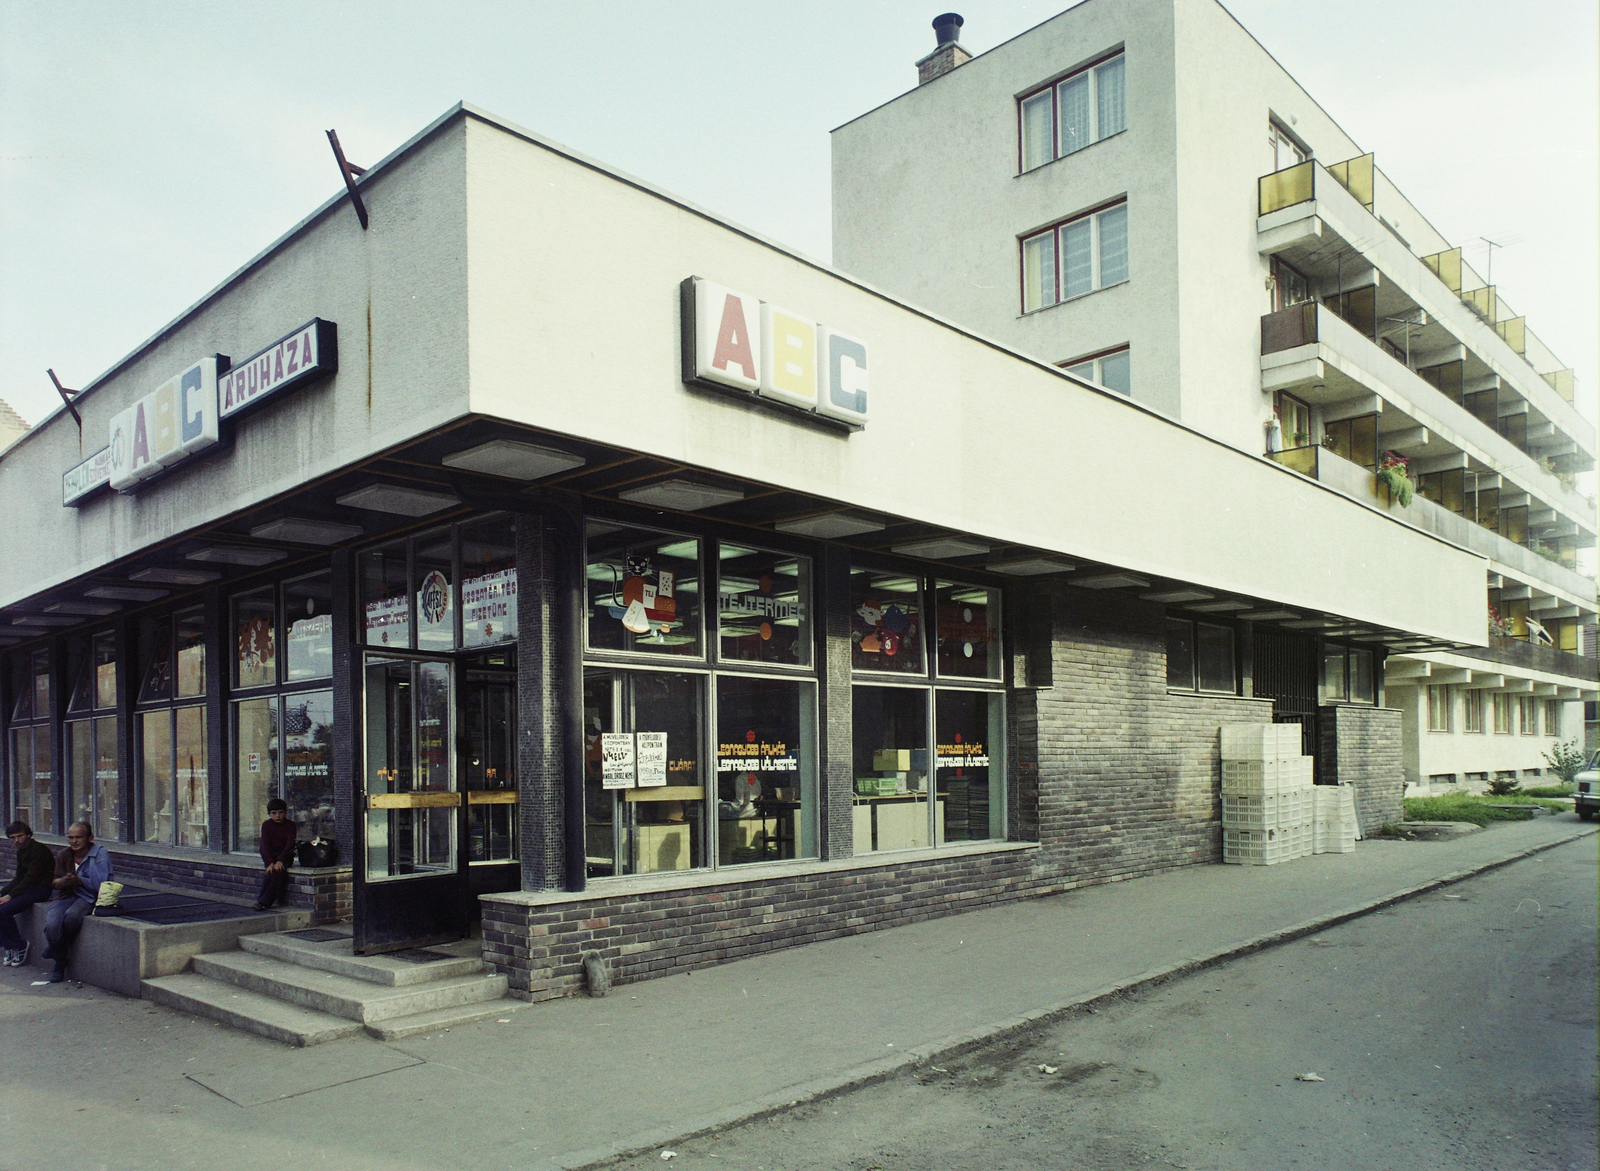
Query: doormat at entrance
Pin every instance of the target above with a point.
(317, 935)
(419, 955)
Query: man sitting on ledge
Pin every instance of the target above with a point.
(35, 866)
(80, 869)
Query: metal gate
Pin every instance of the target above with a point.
(1284, 670)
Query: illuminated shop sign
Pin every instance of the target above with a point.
(293, 359)
(166, 426)
(181, 417)
(91, 474)
(736, 343)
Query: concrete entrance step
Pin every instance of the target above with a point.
(399, 969)
(250, 1011)
(342, 996)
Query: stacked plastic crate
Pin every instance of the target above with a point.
(1266, 795)
(1333, 820)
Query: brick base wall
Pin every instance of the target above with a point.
(324, 892)
(540, 946)
(1363, 746)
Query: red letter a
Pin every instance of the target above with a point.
(733, 341)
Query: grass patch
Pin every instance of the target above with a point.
(1545, 791)
(1477, 810)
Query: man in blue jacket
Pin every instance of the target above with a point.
(80, 869)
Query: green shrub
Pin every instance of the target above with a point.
(1566, 760)
(1503, 786)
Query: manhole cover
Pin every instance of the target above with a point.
(316, 935)
(420, 955)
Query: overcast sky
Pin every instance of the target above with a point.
(149, 149)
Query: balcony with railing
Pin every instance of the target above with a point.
(1326, 357)
(1475, 520)
(1328, 225)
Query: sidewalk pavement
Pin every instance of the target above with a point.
(571, 1082)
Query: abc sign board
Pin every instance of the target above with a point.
(735, 342)
(166, 426)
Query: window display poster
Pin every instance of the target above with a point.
(756, 754)
(489, 607)
(963, 754)
(617, 760)
(650, 756)
(389, 621)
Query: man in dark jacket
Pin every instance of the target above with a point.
(277, 854)
(35, 867)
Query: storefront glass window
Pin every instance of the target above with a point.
(766, 807)
(105, 670)
(189, 757)
(890, 733)
(1362, 686)
(1180, 653)
(1333, 680)
(971, 728)
(191, 627)
(644, 803)
(763, 606)
(886, 630)
(255, 738)
(488, 583)
(487, 700)
(968, 631)
(155, 649)
(307, 770)
(643, 591)
(41, 685)
(35, 778)
(435, 609)
(155, 776)
(95, 795)
(255, 648)
(1214, 657)
(386, 602)
(308, 627)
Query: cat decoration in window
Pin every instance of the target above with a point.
(646, 605)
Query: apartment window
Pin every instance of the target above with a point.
(1075, 257)
(1112, 370)
(1552, 717)
(1294, 417)
(1441, 778)
(1502, 714)
(1200, 656)
(1528, 715)
(1286, 152)
(1067, 116)
(1472, 709)
(1438, 707)
(1289, 285)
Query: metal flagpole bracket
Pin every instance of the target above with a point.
(67, 396)
(350, 172)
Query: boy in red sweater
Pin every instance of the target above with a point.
(277, 853)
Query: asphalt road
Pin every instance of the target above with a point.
(1457, 1030)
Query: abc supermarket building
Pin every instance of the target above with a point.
(672, 601)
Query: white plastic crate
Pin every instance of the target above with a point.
(1299, 839)
(1266, 810)
(1266, 777)
(1260, 742)
(1251, 848)
(1333, 820)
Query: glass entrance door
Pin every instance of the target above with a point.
(409, 888)
(486, 758)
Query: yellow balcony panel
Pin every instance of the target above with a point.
(1355, 176)
(1287, 187)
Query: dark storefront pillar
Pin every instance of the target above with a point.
(550, 700)
(219, 676)
(347, 715)
(837, 776)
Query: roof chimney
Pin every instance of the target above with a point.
(947, 54)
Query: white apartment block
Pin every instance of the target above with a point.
(1137, 192)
